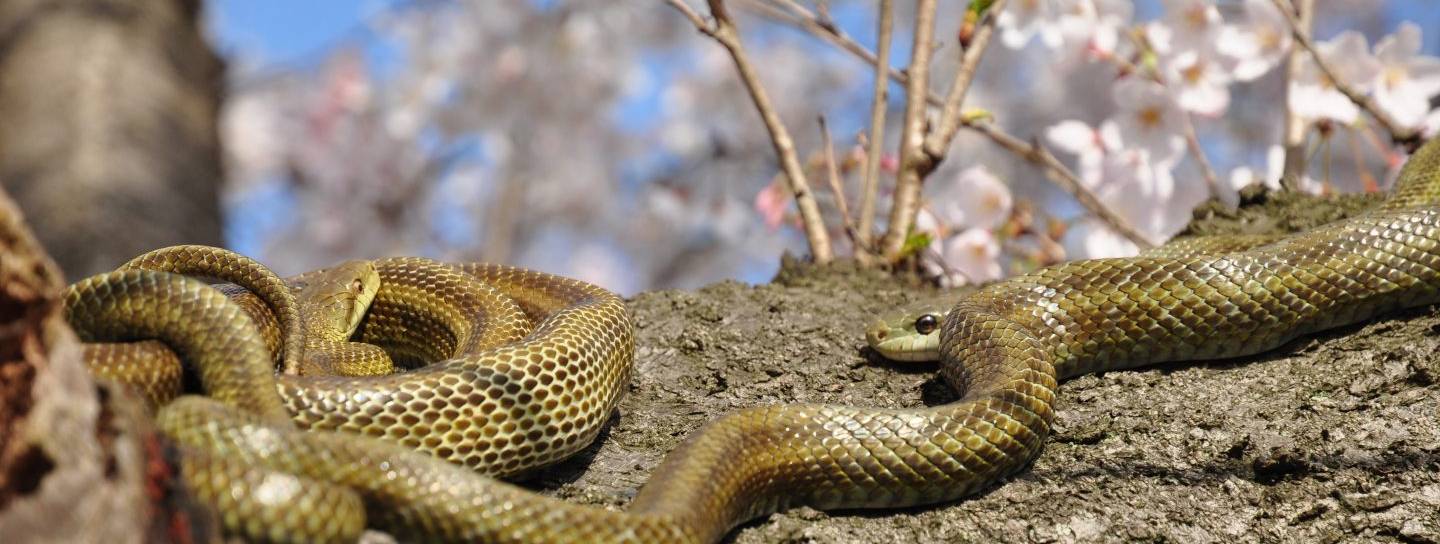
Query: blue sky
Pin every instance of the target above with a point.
(287, 31)
(284, 34)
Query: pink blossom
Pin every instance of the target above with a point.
(889, 163)
(771, 202)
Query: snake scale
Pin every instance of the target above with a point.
(1003, 348)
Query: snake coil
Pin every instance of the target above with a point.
(1004, 348)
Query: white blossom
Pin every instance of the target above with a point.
(1260, 43)
(1092, 26)
(1023, 19)
(1200, 81)
(1406, 79)
(977, 199)
(972, 256)
(1089, 144)
(1089, 238)
(1243, 176)
(1149, 119)
(1186, 26)
(1313, 95)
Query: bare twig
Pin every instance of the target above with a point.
(1063, 177)
(912, 135)
(1295, 125)
(1299, 30)
(832, 173)
(796, 14)
(725, 31)
(938, 142)
(1192, 141)
(695, 18)
(870, 186)
(1054, 169)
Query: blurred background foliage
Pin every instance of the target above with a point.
(604, 140)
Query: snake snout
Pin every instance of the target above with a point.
(877, 332)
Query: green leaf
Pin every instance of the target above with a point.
(916, 242)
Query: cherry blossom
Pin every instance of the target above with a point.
(1188, 25)
(979, 199)
(663, 167)
(1146, 193)
(1406, 79)
(1093, 27)
(1149, 119)
(1023, 19)
(1430, 127)
(1089, 144)
(971, 257)
(771, 202)
(1313, 96)
(1244, 176)
(1200, 81)
(925, 221)
(1089, 238)
(1258, 44)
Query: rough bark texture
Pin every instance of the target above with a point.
(79, 461)
(1332, 438)
(109, 140)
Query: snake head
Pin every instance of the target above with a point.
(333, 303)
(911, 333)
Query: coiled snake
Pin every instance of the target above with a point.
(1003, 347)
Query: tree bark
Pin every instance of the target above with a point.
(79, 461)
(110, 141)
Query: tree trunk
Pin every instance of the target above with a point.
(109, 141)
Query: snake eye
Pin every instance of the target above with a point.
(357, 286)
(926, 324)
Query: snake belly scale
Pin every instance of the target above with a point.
(1003, 348)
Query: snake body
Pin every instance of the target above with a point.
(1004, 347)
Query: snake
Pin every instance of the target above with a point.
(1004, 348)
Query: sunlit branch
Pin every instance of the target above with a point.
(1295, 125)
(1192, 141)
(1299, 30)
(727, 33)
(832, 174)
(1057, 172)
(938, 142)
(912, 134)
(1054, 170)
(870, 184)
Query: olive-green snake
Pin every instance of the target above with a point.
(1003, 347)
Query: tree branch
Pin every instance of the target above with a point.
(1055, 170)
(870, 186)
(832, 172)
(1064, 178)
(1295, 125)
(1300, 31)
(1192, 141)
(938, 142)
(727, 34)
(914, 166)
(796, 14)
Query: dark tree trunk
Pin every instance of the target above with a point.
(108, 138)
